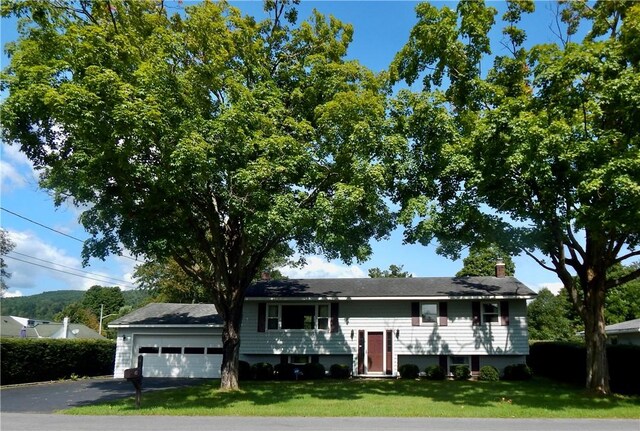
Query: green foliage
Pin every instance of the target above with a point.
(461, 372)
(78, 313)
(409, 371)
(435, 372)
(394, 271)
(36, 360)
(262, 371)
(548, 319)
(517, 372)
(313, 371)
(43, 306)
(207, 137)
(340, 371)
(481, 261)
(165, 281)
(623, 301)
(489, 373)
(6, 245)
(540, 154)
(110, 297)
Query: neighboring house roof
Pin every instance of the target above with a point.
(630, 326)
(418, 287)
(170, 314)
(10, 326)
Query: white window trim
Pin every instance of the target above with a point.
(482, 314)
(436, 320)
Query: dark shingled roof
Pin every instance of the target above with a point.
(389, 287)
(171, 314)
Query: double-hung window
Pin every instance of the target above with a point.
(273, 317)
(490, 312)
(429, 312)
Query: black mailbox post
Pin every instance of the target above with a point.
(134, 375)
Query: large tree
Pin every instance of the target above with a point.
(481, 261)
(205, 136)
(394, 271)
(539, 154)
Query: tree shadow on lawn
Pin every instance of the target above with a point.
(534, 394)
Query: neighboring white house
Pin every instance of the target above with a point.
(624, 332)
(23, 327)
(374, 325)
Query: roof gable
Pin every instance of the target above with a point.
(454, 287)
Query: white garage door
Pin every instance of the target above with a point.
(179, 355)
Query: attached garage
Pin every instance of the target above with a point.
(175, 340)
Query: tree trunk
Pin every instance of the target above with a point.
(231, 349)
(595, 338)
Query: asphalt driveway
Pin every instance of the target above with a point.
(52, 396)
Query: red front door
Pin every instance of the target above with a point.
(375, 352)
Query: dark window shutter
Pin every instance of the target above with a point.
(443, 317)
(335, 324)
(262, 316)
(475, 312)
(442, 359)
(504, 313)
(389, 351)
(475, 363)
(415, 314)
(360, 352)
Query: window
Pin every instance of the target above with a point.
(429, 312)
(454, 361)
(298, 316)
(272, 317)
(299, 359)
(214, 350)
(490, 312)
(323, 317)
(194, 350)
(172, 350)
(148, 350)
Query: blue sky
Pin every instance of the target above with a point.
(46, 260)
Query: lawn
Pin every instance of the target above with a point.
(537, 398)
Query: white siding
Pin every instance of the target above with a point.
(126, 357)
(459, 337)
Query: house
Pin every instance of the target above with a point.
(375, 325)
(624, 332)
(22, 327)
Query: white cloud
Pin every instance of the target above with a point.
(16, 171)
(38, 266)
(318, 267)
(554, 287)
(13, 294)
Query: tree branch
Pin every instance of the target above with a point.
(538, 261)
(624, 279)
(627, 256)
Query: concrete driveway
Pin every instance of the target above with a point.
(53, 396)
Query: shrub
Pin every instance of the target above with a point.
(517, 372)
(340, 371)
(489, 373)
(313, 371)
(409, 371)
(244, 370)
(288, 371)
(624, 372)
(25, 360)
(262, 371)
(461, 372)
(434, 372)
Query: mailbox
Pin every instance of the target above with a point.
(134, 375)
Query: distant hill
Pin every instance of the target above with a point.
(45, 305)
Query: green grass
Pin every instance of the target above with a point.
(537, 398)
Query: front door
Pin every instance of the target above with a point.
(375, 352)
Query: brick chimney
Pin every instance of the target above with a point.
(500, 268)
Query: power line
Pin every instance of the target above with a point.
(57, 231)
(69, 267)
(54, 269)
